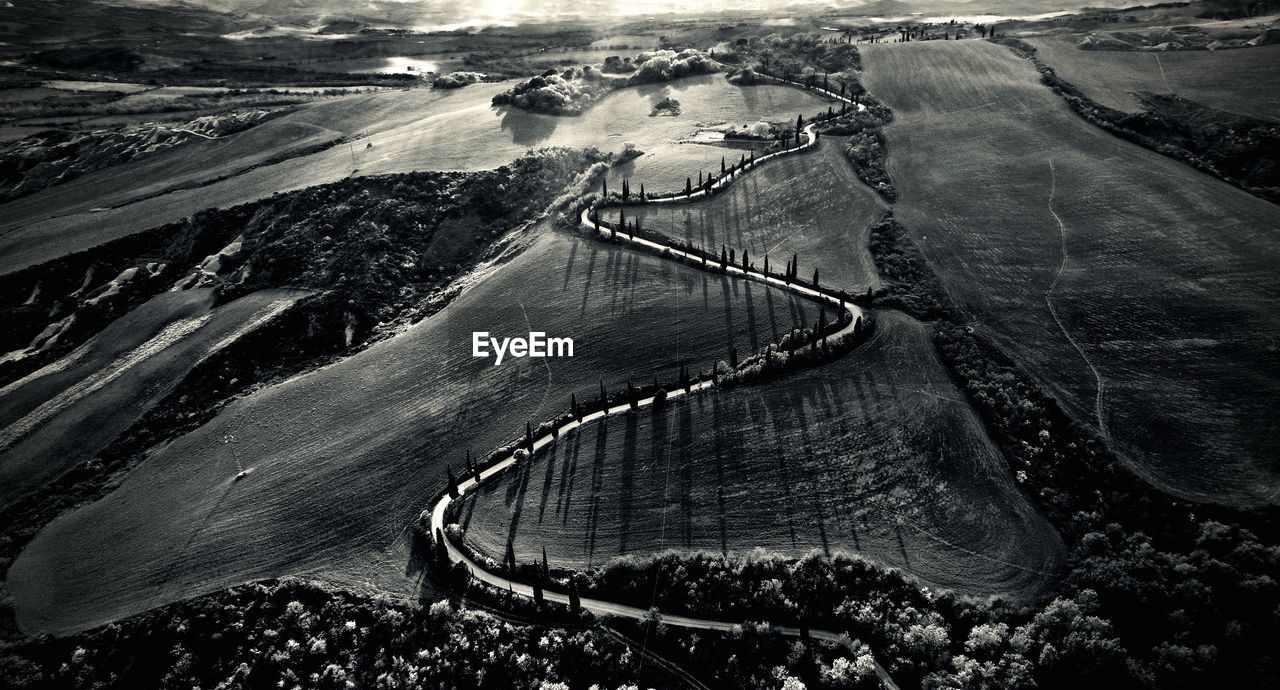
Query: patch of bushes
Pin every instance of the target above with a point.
(457, 80)
(909, 284)
(666, 106)
(800, 55)
(866, 150)
(296, 634)
(574, 90)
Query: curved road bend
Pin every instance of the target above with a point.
(600, 606)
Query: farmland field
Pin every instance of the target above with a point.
(812, 205)
(70, 410)
(1140, 291)
(392, 131)
(345, 457)
(877, 453)
(1111, 76)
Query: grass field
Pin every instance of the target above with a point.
(393, 131)
(1243, 80)
(67, 412)
(345, 457)
(812, 205)
(1163, 279)
(877, 453)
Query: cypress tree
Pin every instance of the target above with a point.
(799, 126)
(724, 257)
(537, 587)
(575, 601)
(528, 436)
(746, 264)
(857, 328)
(753, 156)
(509, 560)
(643, 198)
(722, 168)
(471, 468)
(546, 571)
(573, 407)
(632, 398)
(605, 187)
(795, 266)
(441, 549)
(626, 191)
(604, 397)
(766, 264)
(699, 178)
(742, 162)
(815, 277)
(688, 186)
(453, 483)
(732, 259)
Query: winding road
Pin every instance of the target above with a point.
(591, 223)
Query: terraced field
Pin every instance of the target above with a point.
(876, 453)
(342, 459)
(70, 410)
(1209, 77)
(1139, 290)
(392, 131)
(812, 205)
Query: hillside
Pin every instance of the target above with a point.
(1135, 288)
(876, 454)
(811, 206)
(345, 457)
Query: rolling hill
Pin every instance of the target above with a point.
(1136, 289)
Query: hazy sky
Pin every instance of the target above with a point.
(447, 13)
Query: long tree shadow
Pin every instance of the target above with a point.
(568, 264)
(549, 476)
(722, 448)
(627, 479)
(516, 498)
(586, 283)
(597, 472)
(752, 334)
(568, 475)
